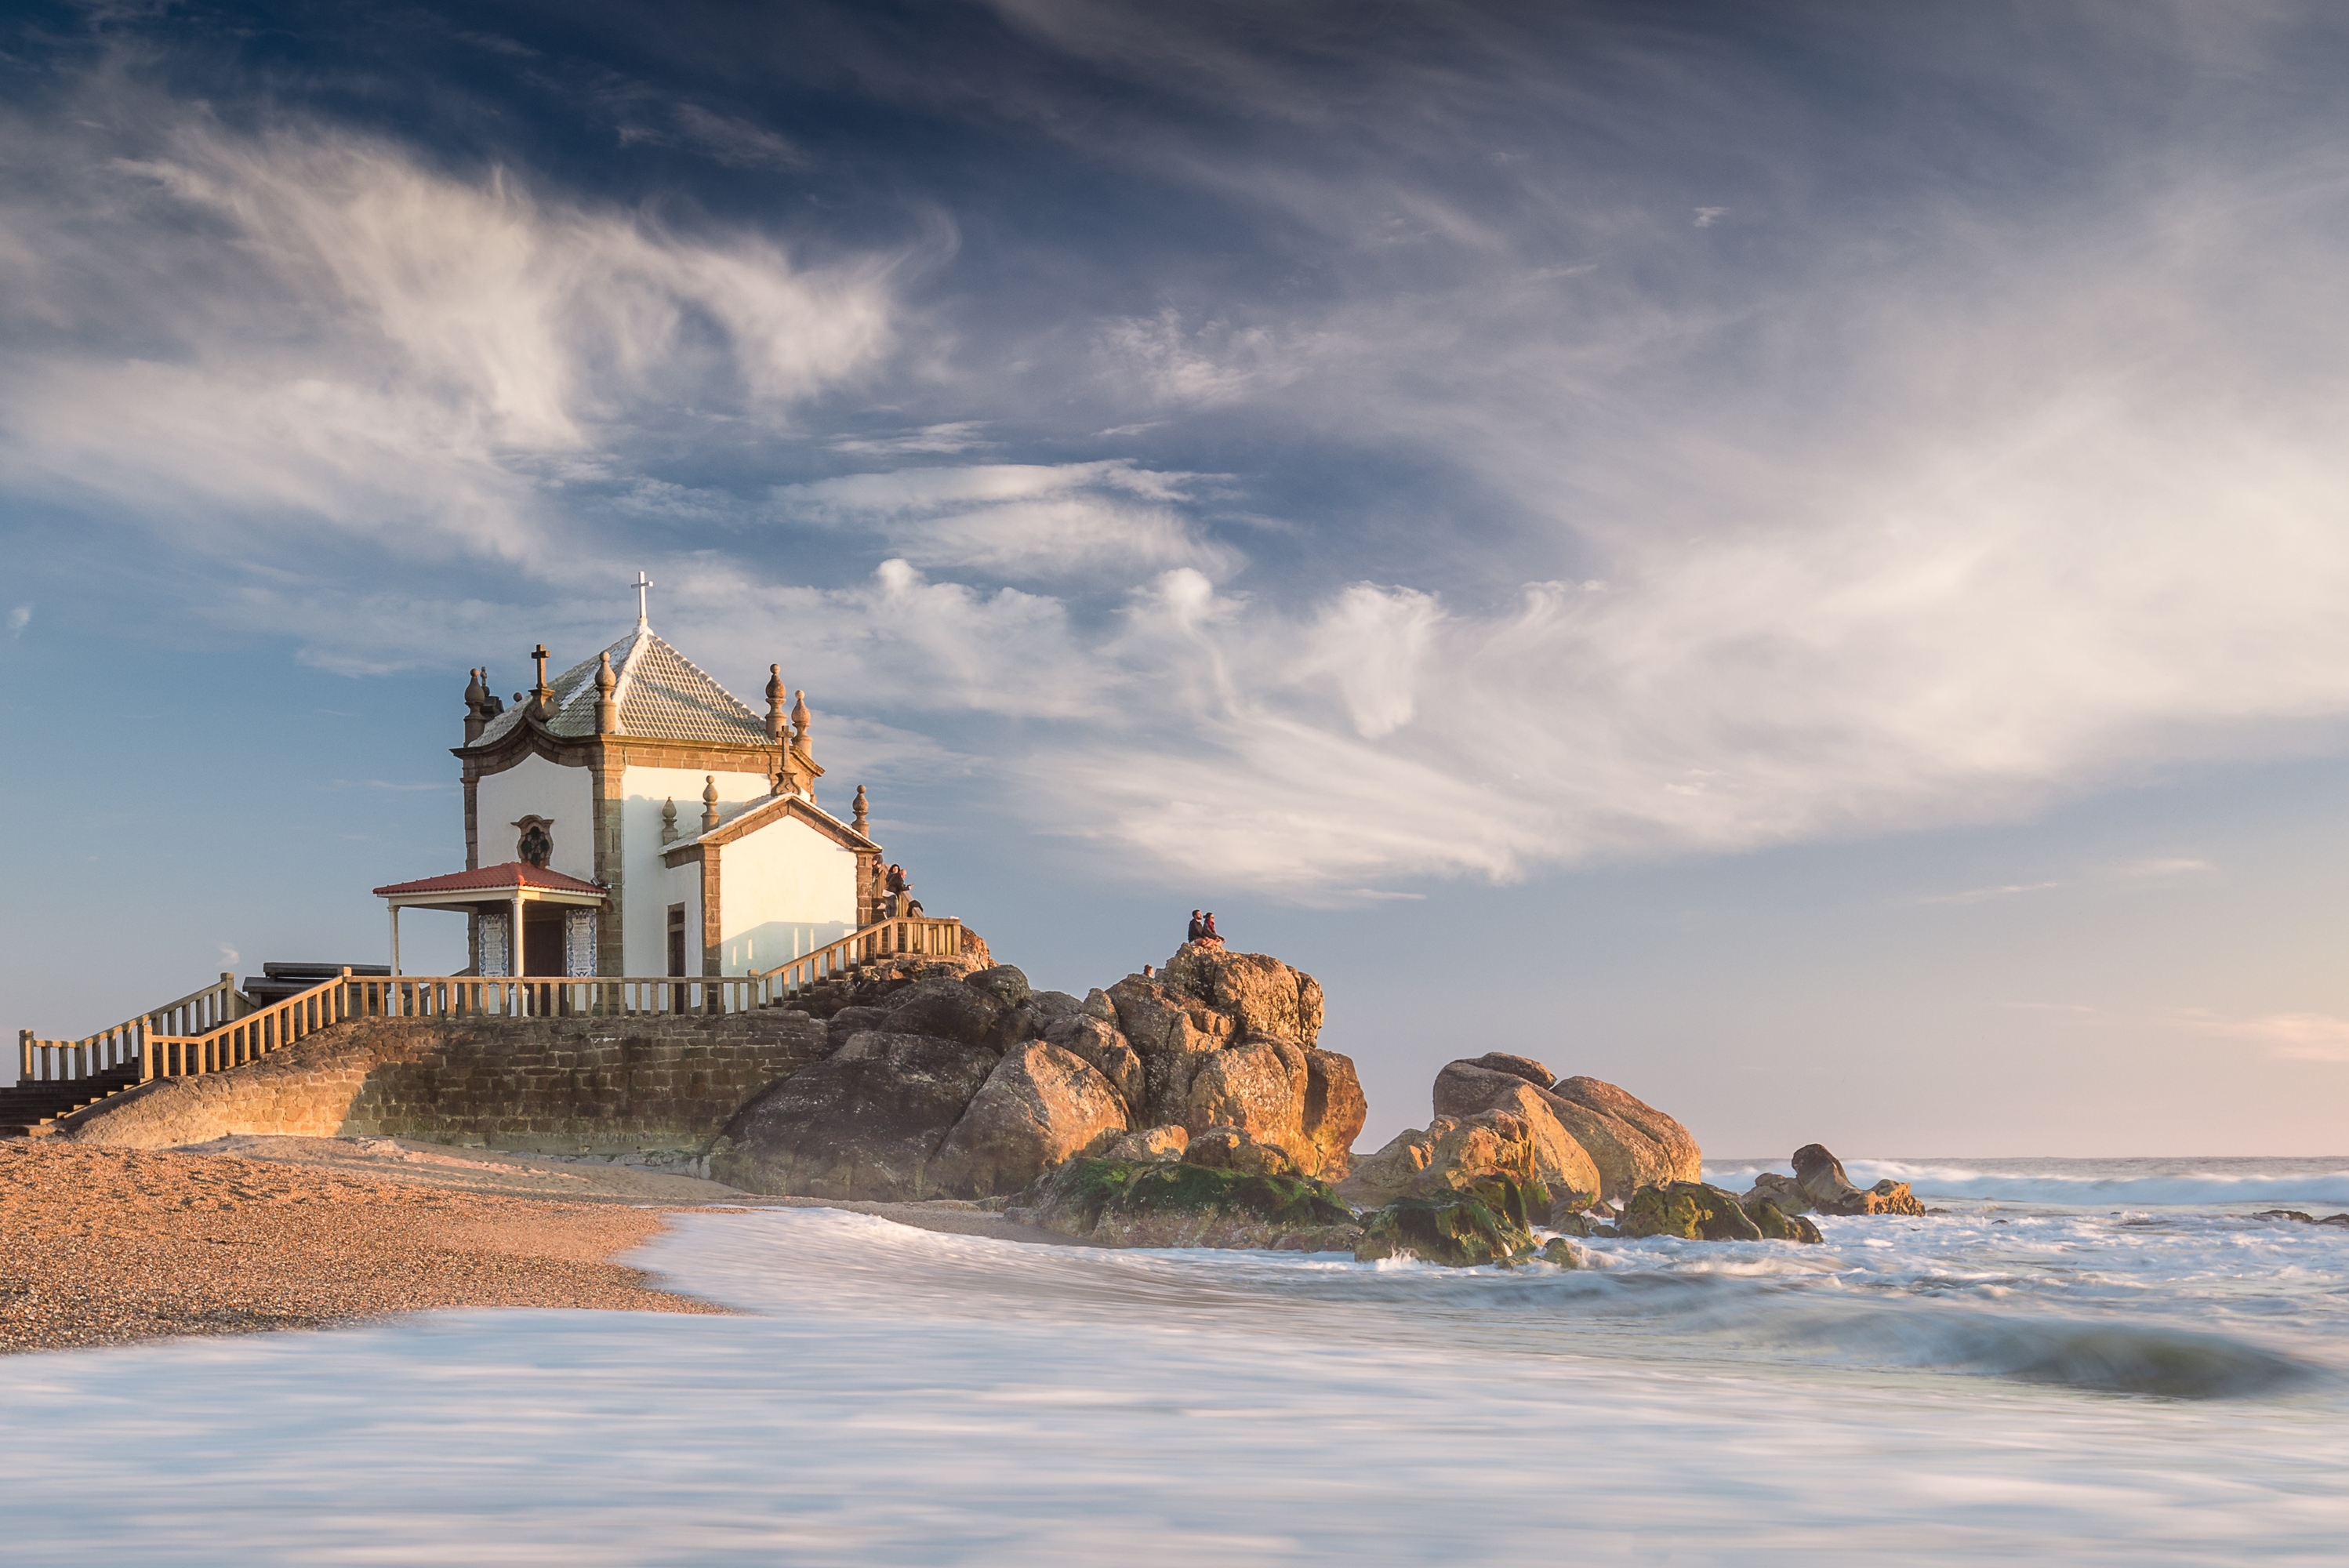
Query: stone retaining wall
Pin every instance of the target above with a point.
(545, 1086)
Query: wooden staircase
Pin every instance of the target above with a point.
(56, 1078)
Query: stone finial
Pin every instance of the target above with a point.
(775, 690)
(607, 712)
(709, 802)
(863, 810)
(669, 834)
(800, 721)
(477, 707)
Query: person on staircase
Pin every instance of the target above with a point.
(897, 887)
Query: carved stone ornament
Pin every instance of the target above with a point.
(534, 841)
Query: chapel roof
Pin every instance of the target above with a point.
(513, 874)
(662, 695)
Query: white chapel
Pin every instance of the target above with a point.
(631, 818)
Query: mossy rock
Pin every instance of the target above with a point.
(1776, 1225)
(1074, 1197)
(1562, 1253)
(1690, 1211)
(1483, 1222)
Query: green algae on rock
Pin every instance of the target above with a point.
(1690, 1211)
(1483, 1222)
(1162, 1203)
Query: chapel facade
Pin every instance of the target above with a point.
(629, 817)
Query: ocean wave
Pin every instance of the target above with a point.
(2095, 1358)
(2093, 1185)
(2075, 1303)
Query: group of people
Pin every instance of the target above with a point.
(1203, 928)
(896, 894)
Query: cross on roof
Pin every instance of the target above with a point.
(642, 583)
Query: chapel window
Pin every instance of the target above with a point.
(536, 845)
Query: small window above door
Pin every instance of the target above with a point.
(534, 844)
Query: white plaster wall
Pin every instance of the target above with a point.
(783, 890)
(644, 923)
(535, 787)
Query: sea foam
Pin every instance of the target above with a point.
(2063, 1387)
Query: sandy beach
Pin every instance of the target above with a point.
(112, 1245)
(109, 1245)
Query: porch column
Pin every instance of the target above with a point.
(395, 939)
(513, 947)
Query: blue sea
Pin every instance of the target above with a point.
(2104, 1361)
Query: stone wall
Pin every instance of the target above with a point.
(654, 1084)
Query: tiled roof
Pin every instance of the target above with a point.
(513, 874)
(663, 696)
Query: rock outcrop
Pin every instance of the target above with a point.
(1691, 1209)
(1449, 1154)
(1682, 1159)
(1229, 1039)
(1039, 1105)
(958, 1078)
(1560, 1163)
(1589, 1139)
(1150, 1143)
(1483, 1222)
(864, 1122)
(1175, 1203)
(1819, 1183)
(1820, 1177)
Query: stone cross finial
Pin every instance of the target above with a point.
(775, 690)
(607, 712)
(709, 803)
(542, 691)
(862, 810)
(669, 834)
(642, 583)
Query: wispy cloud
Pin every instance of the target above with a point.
(2162, 869)
(1019, 520)
(724, 139)
(19, 617)
(957, 435)
(1984, 894)
(2293, 1036)
(362, 341)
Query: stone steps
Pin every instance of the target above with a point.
(26, 1109)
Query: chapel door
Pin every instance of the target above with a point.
(676, 954)
(542, 946)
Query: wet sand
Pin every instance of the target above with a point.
(101, 1246)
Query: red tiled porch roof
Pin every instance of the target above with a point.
(513, 874)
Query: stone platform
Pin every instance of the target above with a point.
(564, 1086)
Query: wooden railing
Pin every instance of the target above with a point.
(198, 1012)
(941, 937)
(217, 1028)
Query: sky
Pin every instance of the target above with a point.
(1791, 557)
